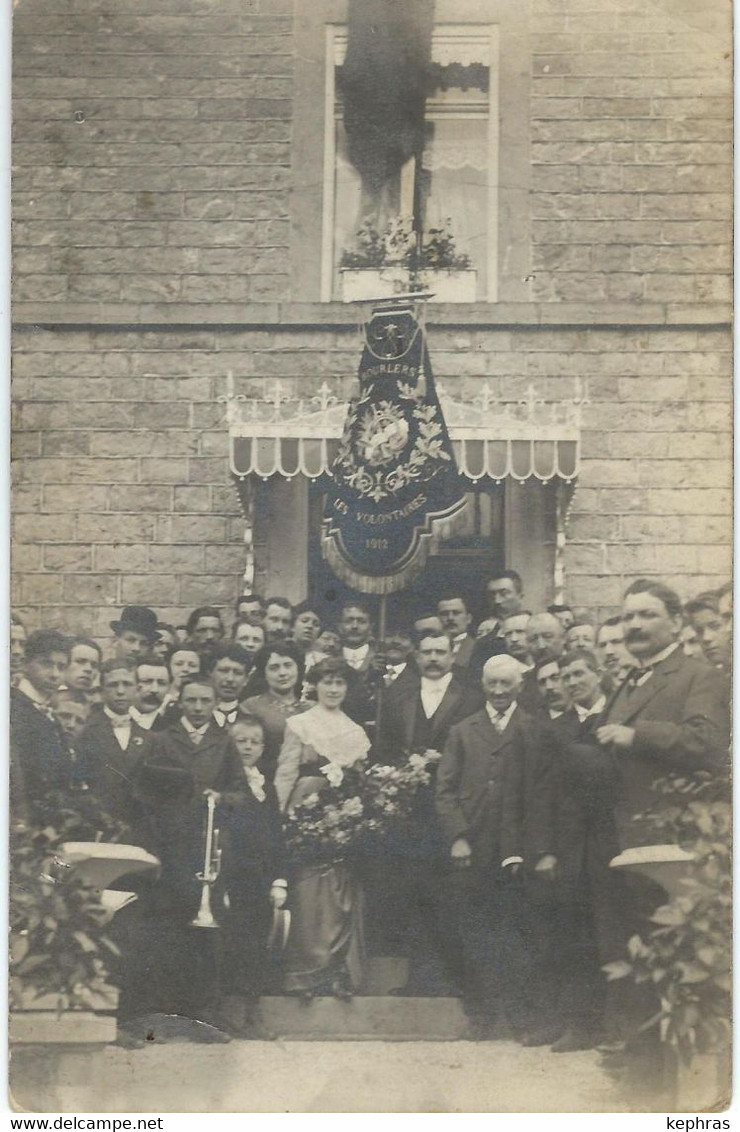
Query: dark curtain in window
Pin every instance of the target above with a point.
(383, 84)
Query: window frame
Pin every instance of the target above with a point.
(512, 234)
(445, 31)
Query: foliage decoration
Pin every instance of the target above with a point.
(58, 943)
(687, 957)
(355, 807)
(397, 246)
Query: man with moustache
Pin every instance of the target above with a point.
(205, 628)
(580, 635)
(514, 634)
(456, 620)
(546, 674)
(418, 712)
(229, 670)
(154, 701)
(278, 619)
(252, 607)
(545, 638)
(668, 716)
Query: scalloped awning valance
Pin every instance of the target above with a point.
(531, 438)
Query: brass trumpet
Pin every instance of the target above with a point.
(211, 868)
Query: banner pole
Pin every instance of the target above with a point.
(382, 616)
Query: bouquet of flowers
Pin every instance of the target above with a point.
(356, 805)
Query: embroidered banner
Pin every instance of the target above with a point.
(395, 484)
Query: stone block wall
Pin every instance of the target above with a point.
(153, 182)
(121, 469)
(152, 150)
(631, 151)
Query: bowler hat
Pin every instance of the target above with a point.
(139, 619)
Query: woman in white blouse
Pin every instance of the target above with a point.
(325, 951)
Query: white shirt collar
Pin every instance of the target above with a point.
(433, 692)
(144, 719)
(194, 730)
(30, 690)
(116, 719)
(360, 651)
(500, 720)
(584, 712)
(651, 661)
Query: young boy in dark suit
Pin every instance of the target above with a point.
(252, 878)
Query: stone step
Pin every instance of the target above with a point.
(384, 974)
(365, 1018)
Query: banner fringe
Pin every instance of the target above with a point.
(441, 528)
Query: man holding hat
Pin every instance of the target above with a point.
(134, 633)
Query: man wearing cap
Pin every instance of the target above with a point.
(134, 633)
(495, 801)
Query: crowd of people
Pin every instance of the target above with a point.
(550, 731)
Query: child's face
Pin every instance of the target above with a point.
(72, 717)
(249, 742)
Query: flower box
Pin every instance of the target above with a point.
(449, 286)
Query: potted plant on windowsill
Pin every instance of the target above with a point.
(388, 263)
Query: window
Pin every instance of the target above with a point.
(489, 34)
(459, 175)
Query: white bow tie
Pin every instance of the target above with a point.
(224, 714)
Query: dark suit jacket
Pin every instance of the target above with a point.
(39, 758)
(109, 771)
(252, 839)
(360, 703)
(402, 701)
(483, 649)
(496, 789)
(680, 725)
(586, 781)
(529, 698)
(171, 780)
(212, 764)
